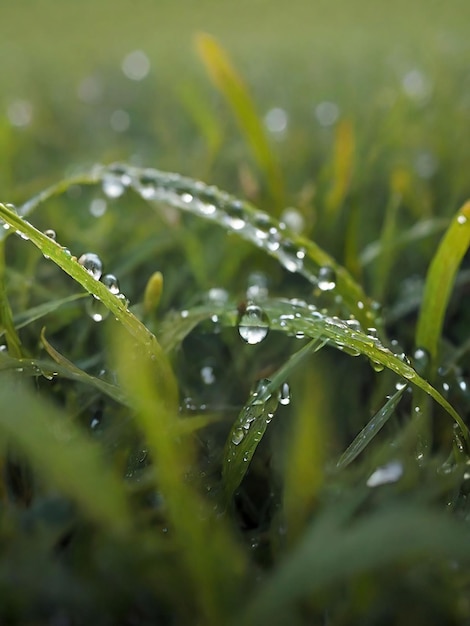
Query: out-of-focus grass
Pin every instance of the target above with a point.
(268, 481)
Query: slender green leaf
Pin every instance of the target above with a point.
(439, 282)
(227, 80)
(213, 562)
(252, 421)
(370, 430)
(116, 305)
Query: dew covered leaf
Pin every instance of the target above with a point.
(253, 420)
(439, 282)
(118, 308)
(63, 454)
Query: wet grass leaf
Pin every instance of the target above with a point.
(369, 431)
(439, 282)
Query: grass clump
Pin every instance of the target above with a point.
(206, 420)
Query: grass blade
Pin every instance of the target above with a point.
(212, 560)
(63, 454)
(117, 307)
(370, 430)
(253, 420)
(231, 85)
(439, 282)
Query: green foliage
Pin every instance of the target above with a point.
(235, 432)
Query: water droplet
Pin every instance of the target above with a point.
(50, 233)
(237, 436)
(326, 278)
(294, 220)
(273, 239)
(257, 286)
(327, 113)
(112, 185)
(136, 65)
(207, 375)
(253, 324)
(234, 215)
(421, 360)
(376, 366)
(400, 384)
(92, 263)
(461, 219)
(96, 309)
(217, 295)
(111, 282)
(291, 256)
(284, 394)
(390, 473)
(98, 207)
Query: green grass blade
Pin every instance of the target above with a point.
(227, 80)
(439, 282)
(42, 310)
(63, 454)
(370, 430)
(331, 553)
(252, 421)
(214, 563)
(117, 307)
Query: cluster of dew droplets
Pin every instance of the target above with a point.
(259, 411)
(94, 266)
(213, 204)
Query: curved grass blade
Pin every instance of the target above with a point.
(439, 281)
(38, 312)
(296, 254)
(298, 318)
(253, 420)
(370, 430)
(107, 388)
(331, 553)
(230, 84)
(117, 307)
(213, 562)
(63, 454)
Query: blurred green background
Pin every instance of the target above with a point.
(398, 71)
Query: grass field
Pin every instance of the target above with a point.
(235, 393)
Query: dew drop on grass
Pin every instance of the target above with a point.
(111, 282)
(96, 309)
(113, 186)
(461, 219)
(257, 286)
(234, 216)
(421, 360)
(51, 234)
(326, 278)
(291, 256)
(253, 324)
(98, 207)
(92, 263)
(284, 394)
(237, 436)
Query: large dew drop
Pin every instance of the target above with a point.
(92, 263)
(253, 325)
(111, 282)
(326, 278)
